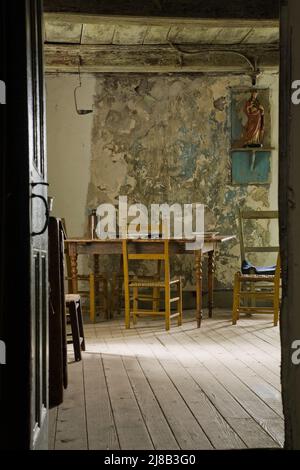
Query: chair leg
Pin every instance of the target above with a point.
(127, 307)
(92, 298)
(179, 294)
(75, 331)
(276, 302)
(113, 296)
(156, 290)
(135, 303)
(236, 299)
(117, 291)
(120, 295)
(167, 306)
(156, 297)
(252, 298)
(106, 308)
(120, 287)
(80, 325)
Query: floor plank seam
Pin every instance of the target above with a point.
(216, 387)
(157, 401)
(110, 403)
(238, 401)
(226, 344)
(223, 417)
(229, 340)
(183, 399)
(257, 345)
(233, 396)
(259, 335)
(186, 331)
(85, 404)
(245, 384)
(236, 337)
(137, 402)
(171, 381)
(242, 380)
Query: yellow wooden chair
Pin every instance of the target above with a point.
(262, 288)
(134, 285)
(118, 283)
(256, 283)
(117, 286)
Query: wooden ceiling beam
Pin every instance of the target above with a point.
(88, 18)
(94, 59)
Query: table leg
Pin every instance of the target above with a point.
(97, 283)
(96, 264)
(92, 298)
(74, 269)
(127, 308)
(211, 271)
(198, 266)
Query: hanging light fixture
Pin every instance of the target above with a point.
(80, 111)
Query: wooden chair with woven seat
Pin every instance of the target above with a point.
(117, 287)
(135, 284)
(256, 283)
(97, 287)
(264, 287)
(118, 284)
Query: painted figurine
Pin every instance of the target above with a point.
(254, 130)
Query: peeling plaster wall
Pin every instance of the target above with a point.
(155, 138)
(69, 148)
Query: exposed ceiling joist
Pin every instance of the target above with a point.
(108, 41)
(88, 18)
(213, 32)
(94, 59)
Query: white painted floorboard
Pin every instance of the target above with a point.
(217, 387)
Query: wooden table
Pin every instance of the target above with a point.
(96, 247)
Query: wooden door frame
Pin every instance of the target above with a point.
(15, 239)
(289, 214)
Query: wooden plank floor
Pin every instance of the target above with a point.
(217, 387)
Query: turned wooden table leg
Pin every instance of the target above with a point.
(74, 269)
(198, 266)
(97, 283)
(96, 265)
(211, 272)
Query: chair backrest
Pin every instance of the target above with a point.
(67, 260)
(278, 269)
(152, 251)
(254, 215)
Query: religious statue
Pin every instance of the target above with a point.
(254, 129)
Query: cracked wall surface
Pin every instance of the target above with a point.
(166, 138)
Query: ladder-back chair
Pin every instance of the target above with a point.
(256, 283)
(132, 252)
(118, 282)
